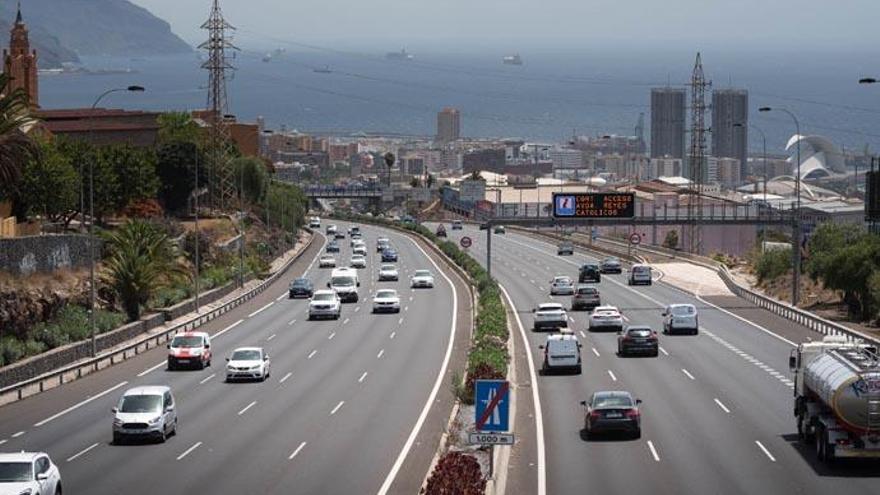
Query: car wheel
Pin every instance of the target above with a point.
(163, 435)
(820, 443)
(801, 428)
(655, 353)
(117, 438)
(58, 490)
(200, 365)
(696, 331)
(580, 369)
(637, 434)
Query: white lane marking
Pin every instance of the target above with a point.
(722, 406)
(230, 327)
(406, 308)
(16, 435)
(189, 450)
(282, 296)
(361, 379)
(595, 352)
(285, 377)
(82, 452)
(398, 463)
(571, 319)
(212, 375)
(297, 451)
(291, 322)
(270, 337)
(664, 351)
(400, 321)
(312, 354)
(330, 337)
(653, 451)
(80, 404)
(337, 407)
(611, 374)
(346, 321)
(264, 308)
(766, 452)
(411, 298)
(152, 368)
(3, 441)
(532, 281)
(583, 334)
(357, 309)
(751, 323)
(392, 335)
(688, 374)
(625, 318)
(381, 353)
(541, 289)
(252, 404)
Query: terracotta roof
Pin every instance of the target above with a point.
(82, 113)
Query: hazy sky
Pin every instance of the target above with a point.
(524, 24)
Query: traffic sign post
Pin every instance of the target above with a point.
(634, 240)
(491, 416)
(465, 242)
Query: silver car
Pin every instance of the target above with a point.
(561, 286)
(145, 412)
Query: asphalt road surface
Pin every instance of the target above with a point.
(337, 415)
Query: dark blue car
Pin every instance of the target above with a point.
(332, 247)
(301, 287)
(389, 255)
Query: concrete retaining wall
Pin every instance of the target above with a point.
(45, 253)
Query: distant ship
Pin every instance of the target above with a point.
(401, 55)
(323, 70)
(267, 57)
(512, 60)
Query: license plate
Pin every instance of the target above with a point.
(183, 360)
(613, 415)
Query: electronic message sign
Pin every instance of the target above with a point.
(594, 205)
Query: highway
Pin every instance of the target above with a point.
(717, 411)
(355, 405)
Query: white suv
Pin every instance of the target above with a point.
(31, 473)
(325, 304)
(146, 412)
(639, 274)
(550, 315)
(680, 318)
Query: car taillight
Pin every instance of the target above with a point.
(595, 415)
(632, 413)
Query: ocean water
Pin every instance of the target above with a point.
(552, 96)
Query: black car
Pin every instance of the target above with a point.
(637, 340)
(441, 231)
(484, 226)
(611, 265)
(301, 287)
(340, 235)
(389, 256)
(457, 225)
(332, 247)
(612, 411)
(589, 272)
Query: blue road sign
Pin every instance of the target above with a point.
(493, 405)
(565, 205)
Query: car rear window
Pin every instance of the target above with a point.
(641, 269)
(683, 310)
(382, 294)
(587, 291)
(612, 401)
(323, 297)
(639, 332)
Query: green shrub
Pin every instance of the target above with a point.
(772, 264)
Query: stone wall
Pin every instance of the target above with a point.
(45, 253)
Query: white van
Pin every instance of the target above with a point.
(562, 351)
(680, 318)
(345, 282)
(315, 223)
(639, 274)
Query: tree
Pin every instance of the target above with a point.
(431, 180)
(50, 186)
(136, 170)
(175, 168)
(475, 175)
(251, 173)
(140, 261)
(850, 269)
(415, 182)
(671, 240)
(178, 127)
(16, 147)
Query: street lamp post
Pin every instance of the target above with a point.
(92, 329)
(198, 238)
(796, 244)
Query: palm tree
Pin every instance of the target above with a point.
(16, 147)
(140, 262)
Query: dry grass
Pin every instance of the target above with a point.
(41, 281)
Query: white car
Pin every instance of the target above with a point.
(681, 318)
(325, 304)
(315, 223)
(606, 318)
(145, 412)
(561, 285)
(358, 261)
(562, 351)
(360, 249)
(388, 272)
(332, 230)
(31, 473)
(356, 240)
(327, 262)
(422, 279)
(639, 274)
(550, 316)
(386, 300)
(248, 363)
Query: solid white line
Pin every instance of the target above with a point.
(16, 435)
(230, 327)
(595, 352)
(361, 379)
(722, 406)
(664, 351)
(80, 404)
(261, 310)
(285, 377)
(766, 452)
(282, 296)
(312, 354)
(346, 321)
(611, 374)
(154, 368)
(583, 334)
(379, 356)
(212, 375)
(189, 450)
(337, 407)
(688, 374)
(82, 452)
(398, 463)
(291, 322)
(653, 451)
(392, 335)
(270, 337)
(330, 337)
(252, 404)
(295, 452)
(740, 318)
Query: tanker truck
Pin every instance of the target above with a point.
(837, 397)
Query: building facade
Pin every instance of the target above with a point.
(730, 125)
(668, 122)
(20, 62)
(448, 125)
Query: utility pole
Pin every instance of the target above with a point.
(699, 85)
(198, 238)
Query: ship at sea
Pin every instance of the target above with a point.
(323, 70)
(401, 55)
(512, 60)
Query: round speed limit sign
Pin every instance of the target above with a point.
(635, 239)
(465, 242)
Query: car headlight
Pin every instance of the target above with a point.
(117, 422)
(155, 420)
(256, 367)
(26, 491)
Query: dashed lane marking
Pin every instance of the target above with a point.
(687, 373)
(361, 379)
(205, 380)
(766, 452)
(82, 452)
(252, 404)
(285, 377)
(722, 406)
(189, 450)
(338, 406)
(264, 308)
(654, 452)
(297, 451)
(611, 374)
(80, 404)
(312, 354)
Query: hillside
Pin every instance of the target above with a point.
(62, 29)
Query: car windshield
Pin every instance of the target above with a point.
(388, 267)
(390, 252)
(188, 341)
(345, 281)
(246, 355)
(562, 280)
(639, 332)
(612, 401)
(640, 269)
(301, 282)
(683, 310)
(422, 273)
(386, 294)
(328, 258)
(587, 290)
(141, 403)
(550, 307)
(322, 297)
(589, 267)
(12, 472)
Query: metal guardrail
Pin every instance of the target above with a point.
(75, 371)
(343, 192)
